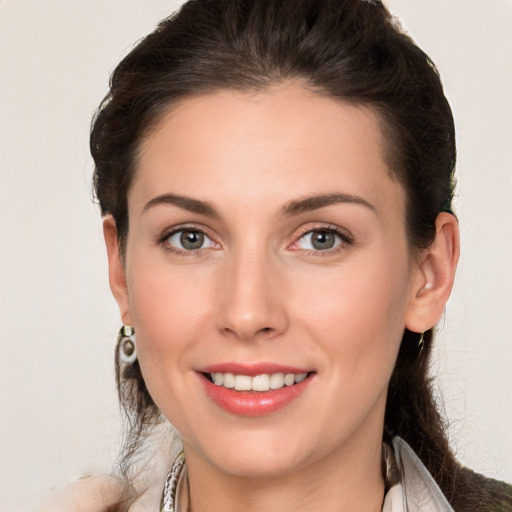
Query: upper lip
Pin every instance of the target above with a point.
(252, 369)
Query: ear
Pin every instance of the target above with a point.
(434, 277)
(116, 269)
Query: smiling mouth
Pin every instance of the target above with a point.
(259, 383)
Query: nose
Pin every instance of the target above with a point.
(252, 304)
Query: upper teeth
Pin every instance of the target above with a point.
(263, 382)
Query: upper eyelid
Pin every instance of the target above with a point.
(346, 240)
(343, 233)
(163, 240)
(166, 233)
(298, 233)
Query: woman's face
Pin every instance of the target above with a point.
(266, 247)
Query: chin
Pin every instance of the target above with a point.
(258, 465)
(262, 453)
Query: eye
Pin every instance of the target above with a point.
(189, 240)
(319, 240)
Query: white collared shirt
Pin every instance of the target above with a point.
(416, 491)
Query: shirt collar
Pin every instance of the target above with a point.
(415, 491)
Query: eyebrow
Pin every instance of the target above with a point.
(316, 202)
(291, 208)
(187, 203)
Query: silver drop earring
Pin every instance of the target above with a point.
(127, 345)
(421, 343)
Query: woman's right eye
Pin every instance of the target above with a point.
(189, 240)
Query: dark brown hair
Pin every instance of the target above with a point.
(349, 50)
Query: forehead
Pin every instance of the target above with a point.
(268, 145)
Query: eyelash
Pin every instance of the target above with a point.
(346, 239)
(164, 240)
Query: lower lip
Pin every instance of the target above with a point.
(254, 403)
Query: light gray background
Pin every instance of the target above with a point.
(58, 410)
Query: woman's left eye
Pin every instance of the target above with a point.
(319, 240)
(189, 240)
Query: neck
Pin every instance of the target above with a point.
(346, 479)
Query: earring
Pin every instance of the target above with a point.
(127, 345)
(421, 344)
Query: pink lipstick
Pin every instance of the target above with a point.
(254, 389)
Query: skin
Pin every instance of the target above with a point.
(259, 291)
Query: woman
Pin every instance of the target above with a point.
(276, 179)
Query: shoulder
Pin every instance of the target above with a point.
(92, 494)
(107, 493)
(471, 487)
(470, 491)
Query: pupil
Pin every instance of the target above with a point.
(322, 240)
(191, 240)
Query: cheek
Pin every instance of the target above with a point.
(170, 312)
(357, 316)
(169, 309)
